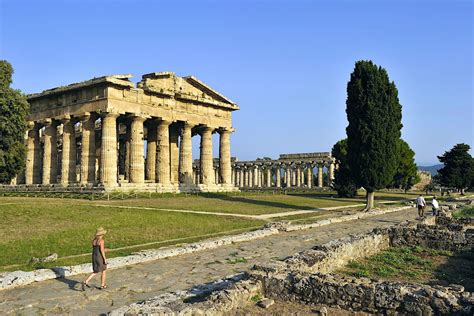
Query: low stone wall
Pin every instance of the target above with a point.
(302, 277)
(371, 296)
(333, 255)
(451, 235)
(215, 298)
(19, 278)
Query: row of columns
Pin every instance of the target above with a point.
(163, 154)
(282, 175)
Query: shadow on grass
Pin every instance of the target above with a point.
(230, 198)
(458, 269)
(356, 200)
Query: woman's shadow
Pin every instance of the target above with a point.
(72, 284)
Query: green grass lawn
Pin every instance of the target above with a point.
(39, 227)
(36, 227)
(467, 212)
(416, 265)
(252, 203)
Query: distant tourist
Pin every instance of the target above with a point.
(420, 204)
(435, 205)
(99, 262)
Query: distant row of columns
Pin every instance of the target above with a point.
(166, 160)
(281, 175)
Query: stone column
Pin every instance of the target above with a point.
(186, 155)
(128, 149)
(309, 175)
(88, 149)
(150, 168)
(108, 150)
(278, 177)
(50, 153)
(224, 157)
(137, 150)
(320, 176)
(207, 164)
(330, 173)
(33, 156)
(302, 177)
(269, 177)
(163, 154)
(68, 159)
(255, 176)
(174, 153)
(288, 176)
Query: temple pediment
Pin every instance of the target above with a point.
(185, 88)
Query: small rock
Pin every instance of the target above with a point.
(322, 311)
(265, 303)
(51, 258)
(457, 287)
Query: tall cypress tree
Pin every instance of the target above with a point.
(13, 110)
(374, 114)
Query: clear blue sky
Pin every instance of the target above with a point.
(286, 63)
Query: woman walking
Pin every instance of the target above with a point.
(99, 262)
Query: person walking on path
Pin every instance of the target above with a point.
(99, 262)
(435, 205)
(420, 205)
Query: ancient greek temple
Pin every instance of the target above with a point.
(111, 134)
(289, 171)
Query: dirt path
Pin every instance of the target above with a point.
(141, 281)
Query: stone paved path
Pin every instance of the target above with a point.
(138, 282)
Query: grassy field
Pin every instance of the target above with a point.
(253, 203)
(418, 265)
(37, 227)
(464, 213)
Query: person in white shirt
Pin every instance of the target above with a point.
(420, 205)
(435, 205)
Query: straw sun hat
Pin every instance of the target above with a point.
(100, 231)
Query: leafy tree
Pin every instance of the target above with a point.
(343, 182)
(458, 170)
(406, 174)
(13, 111)
(374, 114)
